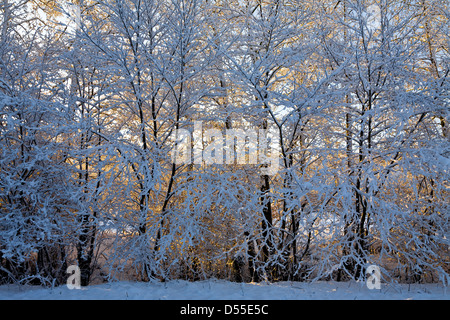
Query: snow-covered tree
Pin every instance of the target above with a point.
(37, 197)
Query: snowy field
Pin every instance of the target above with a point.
(224, 290)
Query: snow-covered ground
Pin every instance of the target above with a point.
(224, 290)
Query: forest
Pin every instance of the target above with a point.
(246, 140)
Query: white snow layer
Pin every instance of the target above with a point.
(225, 290)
